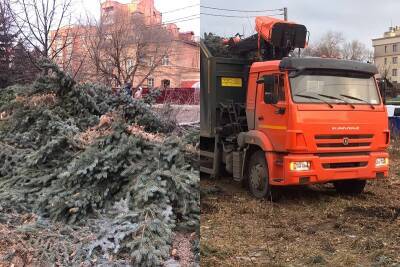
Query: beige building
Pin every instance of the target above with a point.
(176, 64)
(387, 54)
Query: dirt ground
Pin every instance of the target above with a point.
(308, 226)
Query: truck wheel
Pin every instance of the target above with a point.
(350, 187)
(258, 178)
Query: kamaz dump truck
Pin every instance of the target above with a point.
(271, 119)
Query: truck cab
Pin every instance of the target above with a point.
(317, 120)
(282, 120)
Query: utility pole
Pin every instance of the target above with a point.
(285, 13)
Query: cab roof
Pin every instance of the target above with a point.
(292, 63)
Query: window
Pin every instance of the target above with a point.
(129, 64)
(59, 44)
(278, 90)
(150, 82)
(108, 20)
(385, 48)
(84, 41)
(69, 46)
(394, 47)
(385, 61)
(109, 67)
(141, 61)
(280, 87)
(166, 83)
(151, 62)
(108, 15)
(394, 72)
(68, 50)
(165, 60)
(195, 62)
(59, 48)
(394, 60)
(336, 87)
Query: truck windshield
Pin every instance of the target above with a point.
(335, 87)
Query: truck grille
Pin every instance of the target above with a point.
(343, 141)
(342, 154)
(344, 165)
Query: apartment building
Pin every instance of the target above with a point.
(387, 54)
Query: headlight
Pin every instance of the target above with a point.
(381, 162)
(300, 166)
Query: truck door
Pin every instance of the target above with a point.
(272, 108)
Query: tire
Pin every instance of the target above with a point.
(257, 175)
(350, 187)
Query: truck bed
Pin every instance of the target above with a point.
(223, 80)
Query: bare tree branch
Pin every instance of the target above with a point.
(37, 19)
(123, 47)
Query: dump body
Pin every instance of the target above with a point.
(223, 80)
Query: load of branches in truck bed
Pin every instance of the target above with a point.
(87, 176)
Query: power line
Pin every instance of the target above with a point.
(233, 16)
(242, 11)
(179, 21)
(187, 18)
(179, 9)
(196, 18)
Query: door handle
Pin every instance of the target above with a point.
(261, 118)
(280, 111)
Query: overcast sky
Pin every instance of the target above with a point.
(93, 7)
(357, 19)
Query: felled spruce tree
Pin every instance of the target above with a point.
(44, 168)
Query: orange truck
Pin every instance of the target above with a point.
(271, 119)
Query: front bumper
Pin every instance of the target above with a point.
(326, 169)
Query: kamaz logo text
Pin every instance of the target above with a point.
(345, 128)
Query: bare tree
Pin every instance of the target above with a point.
(355, 50)
(122, 48)
(384, 71)
(386, 85)
(7, 38)
(334, 45)
(328, 46)
(40, 23)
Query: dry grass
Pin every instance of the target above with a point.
(38, 100)
(308, 226)
(22, 243)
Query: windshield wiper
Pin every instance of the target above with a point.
(337, 98)
(359, 99)
(316, 98)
